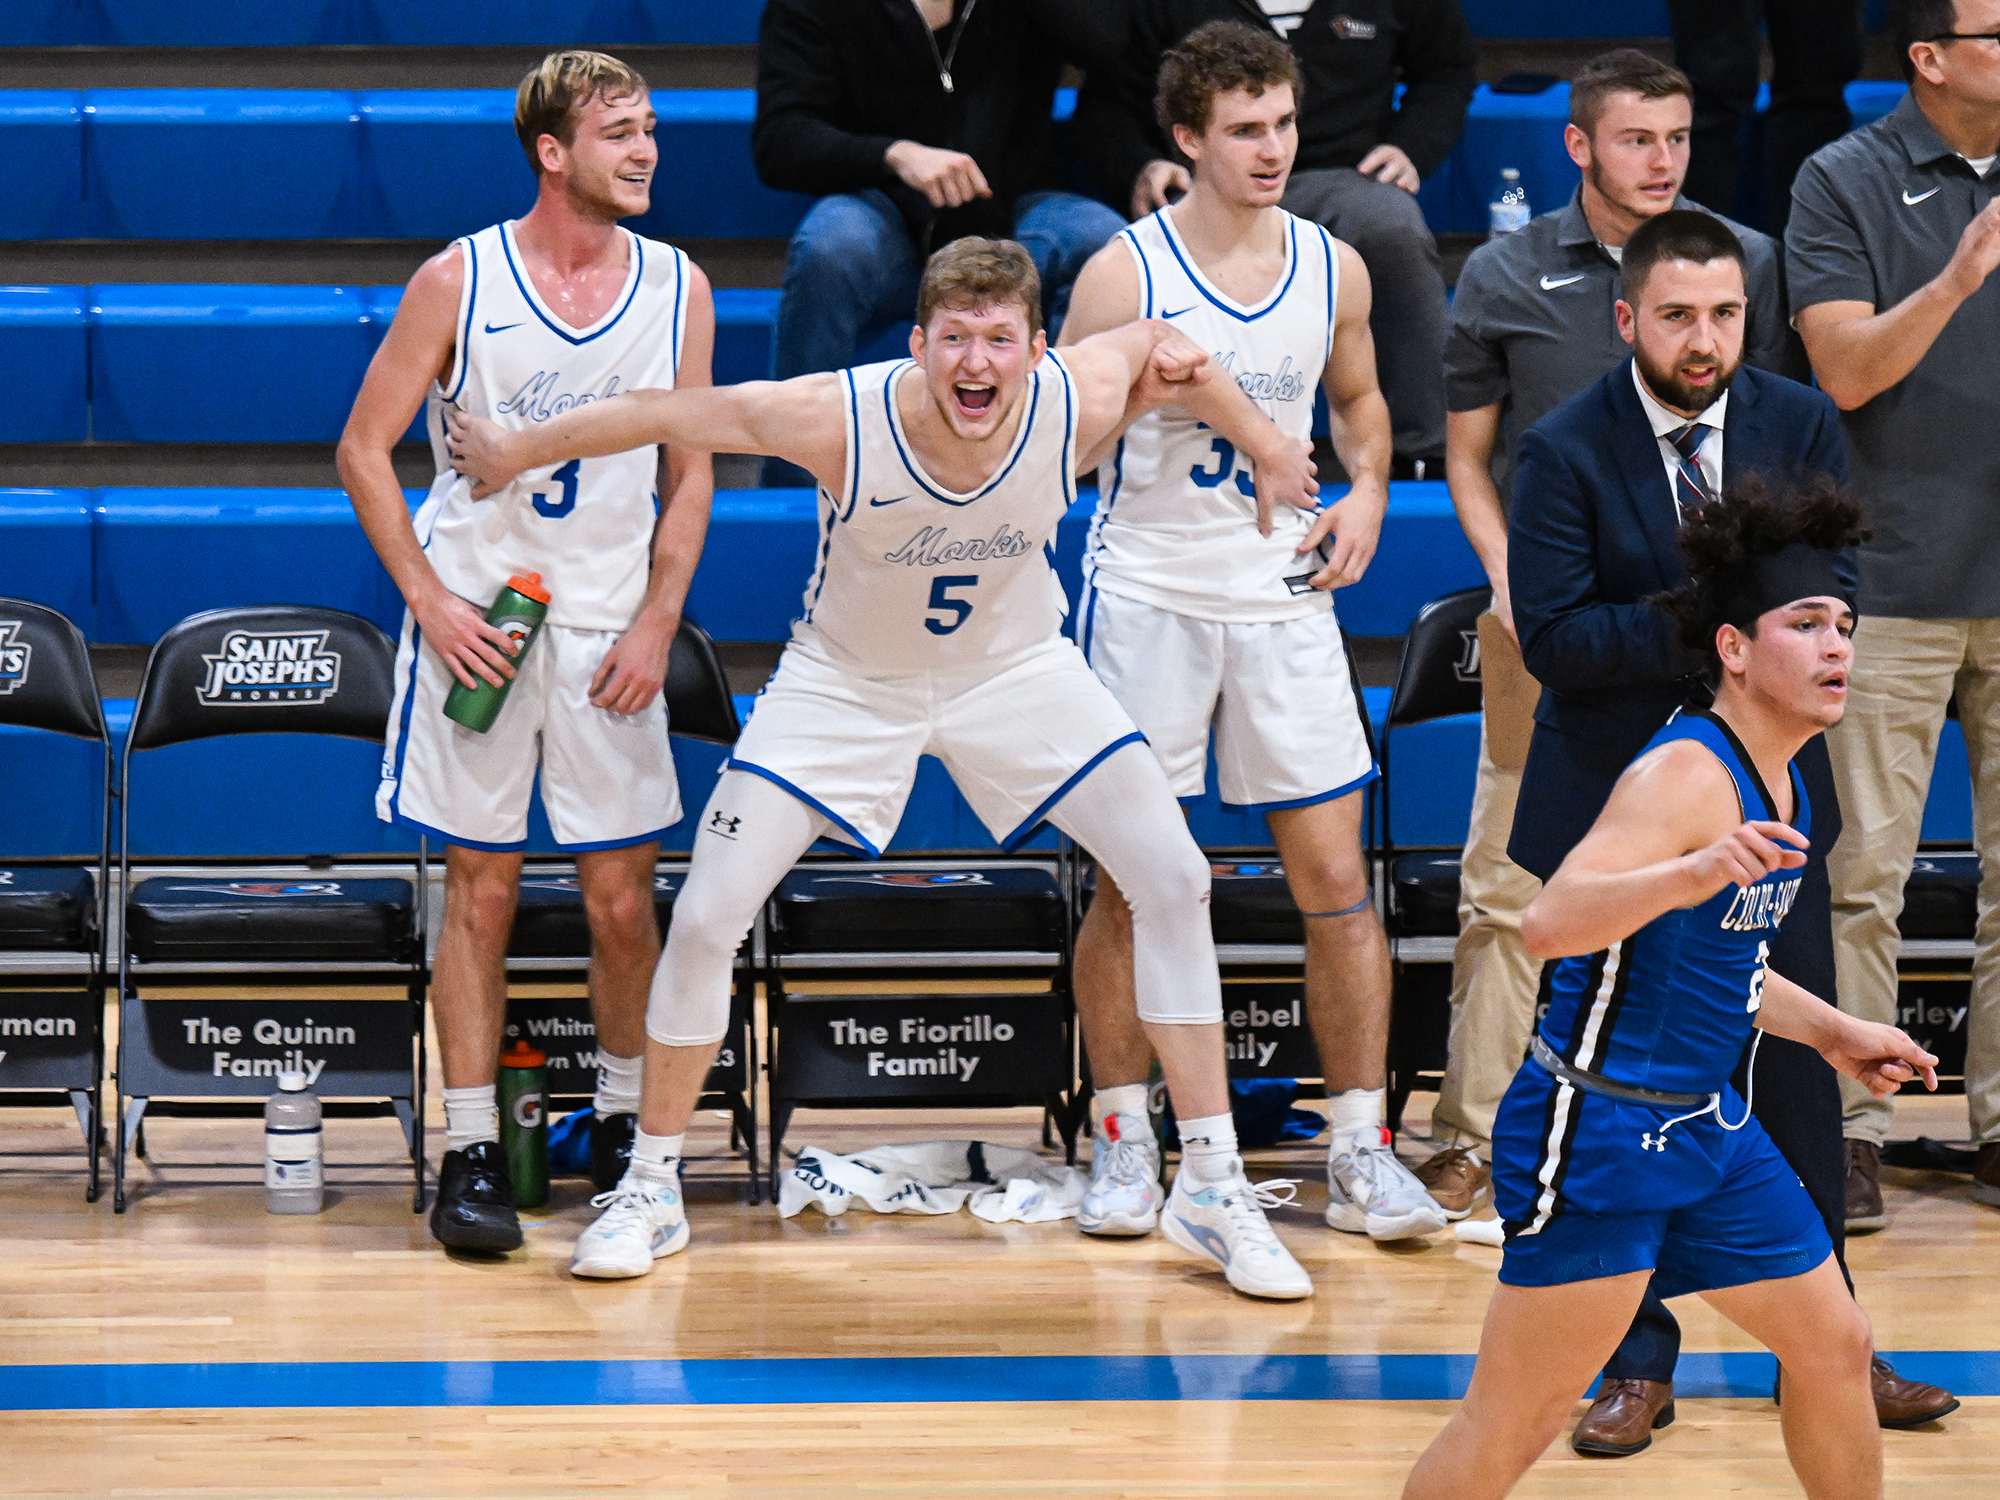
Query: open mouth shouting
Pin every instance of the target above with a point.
(974, 401)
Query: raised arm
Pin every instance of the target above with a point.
(416, 351)
(1123, 373)
(798, 420)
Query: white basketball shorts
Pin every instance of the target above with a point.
(1016, 735)
(1278, 697)
(607, 779)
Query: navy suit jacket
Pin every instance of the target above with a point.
(1590, 534)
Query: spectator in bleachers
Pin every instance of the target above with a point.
(1600, 484)
(916, 123)
(1362, 156)
(1893, 241)
(1532, 325)
(1815, 55)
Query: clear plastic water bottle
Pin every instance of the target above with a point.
(293, 1181)
(1508, 210)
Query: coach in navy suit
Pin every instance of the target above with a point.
(1600, 485)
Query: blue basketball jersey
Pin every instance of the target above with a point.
(1671, 1007)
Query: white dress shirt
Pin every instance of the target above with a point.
(1667, 423)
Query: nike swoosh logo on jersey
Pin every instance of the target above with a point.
(1913, 202)
(1550, 286)
(897, 501)
(502, 328)
(1179, 310)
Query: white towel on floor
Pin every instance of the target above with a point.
(998, 1183)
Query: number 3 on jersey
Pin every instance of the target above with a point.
(941, 602)
(555, 510)
(1225, 464)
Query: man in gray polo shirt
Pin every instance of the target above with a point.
(1892, 245)
(1532, 325)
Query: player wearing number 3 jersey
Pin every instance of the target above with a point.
(521, 323)
(931, 626)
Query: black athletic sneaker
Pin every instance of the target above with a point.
(611, 1149)
(475, 1201)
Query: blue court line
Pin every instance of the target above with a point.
(712, 1382)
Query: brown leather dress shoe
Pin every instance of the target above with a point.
(1623, 1418)
(1986, 1174)
(1454, 1178)
(1907, 1403)
(1864, 1188)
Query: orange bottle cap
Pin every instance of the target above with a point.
(521, 1055)
(531, 586)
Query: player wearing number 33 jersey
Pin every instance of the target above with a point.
(585, 525)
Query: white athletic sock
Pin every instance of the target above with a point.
(1355, 1118)
(653, 1156)
(617, 1084)
(1124, 1099)
(470, 1116)
(1208, 1148)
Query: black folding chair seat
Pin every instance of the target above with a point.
(47, 910)
(1941, 897)
(549, 920)
(982, 909)
(1424, 895)
(1249, 904)
(333, 920)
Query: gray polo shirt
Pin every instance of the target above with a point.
(1875, 216)
(1532, 321)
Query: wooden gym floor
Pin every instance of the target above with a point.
(200, 1347)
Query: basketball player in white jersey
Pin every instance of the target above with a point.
(1204, 615)
(932, 625)
(519, 323)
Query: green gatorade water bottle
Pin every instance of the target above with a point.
(524, 1123)
(519, 611)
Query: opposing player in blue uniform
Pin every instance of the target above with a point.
(1621, 1152)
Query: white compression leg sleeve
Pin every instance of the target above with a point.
(1124, 814)
(751, 834)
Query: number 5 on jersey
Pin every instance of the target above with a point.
(941, 602)
(555, 510)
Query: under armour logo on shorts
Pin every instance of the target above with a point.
(1651, 1142)
(722, 824)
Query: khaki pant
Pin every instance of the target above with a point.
(1493, 980)
(1905, 671)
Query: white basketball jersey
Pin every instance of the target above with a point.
(587, 525)
(1176, 522)
(913, 577)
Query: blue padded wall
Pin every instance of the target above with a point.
(42, 23)
(195, 364)
(276, 164)
(441, 162)
(46, 553)
(41, 140)
(44, 344)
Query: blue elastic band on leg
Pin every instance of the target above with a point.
(1346, 911)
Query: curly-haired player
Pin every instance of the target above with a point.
(1621, 1152)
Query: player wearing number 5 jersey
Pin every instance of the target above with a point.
(521, 323)
(930, 626)
(1212, 619)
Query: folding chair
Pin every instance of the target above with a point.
(267, 670)
(52, 959)
(551, 936)
(858, 954)
(1437, 677)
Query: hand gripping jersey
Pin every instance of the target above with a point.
(586, 525)
(1176, 524)
(913, 577)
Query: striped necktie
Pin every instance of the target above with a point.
(1691, 491)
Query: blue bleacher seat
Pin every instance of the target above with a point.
(41, 139)
(771, 536)
(45, 552)
(1423, 553)
(441, 162)
(227, 364)
(1502, 130)
(275, 164)
(705, 186)
(44, 344)
(308, 23)
(225, 23)
(163, 554)
(42, 23)
(744, 320)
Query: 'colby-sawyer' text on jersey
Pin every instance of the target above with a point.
(1176, 526)
(587, 525)
(913, 577)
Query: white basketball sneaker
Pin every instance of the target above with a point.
(642, 1222)
(1225, 1222)
(1125, 1193)
(1369, 1192)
